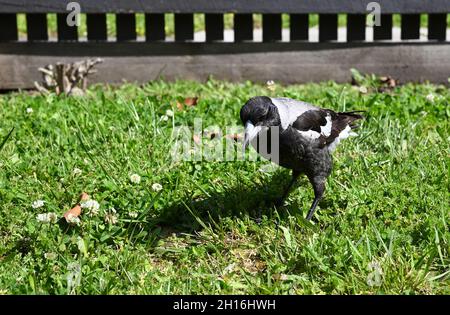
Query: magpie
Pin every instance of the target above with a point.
(306, 137)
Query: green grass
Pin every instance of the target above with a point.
(199, 23)
(384, 218)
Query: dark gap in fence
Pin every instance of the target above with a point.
(243, 27)
(96, 27)
(272, 27)
(410, 26)
(356, 27)
(299, 26)
(154, 27)
(437, 26)
(184, 26)
(37, 27)
(65, 31)
(125, 27)
(8, 29)
(384, 30)
(214, 27)
(328, 27)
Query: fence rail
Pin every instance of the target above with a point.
(198, 60)
(225, 6)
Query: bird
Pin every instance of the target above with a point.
(305, 137)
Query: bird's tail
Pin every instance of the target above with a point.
(351, 117)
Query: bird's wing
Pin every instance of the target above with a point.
(289, 109)
(322, 126)
(326, 127)
(315, 125)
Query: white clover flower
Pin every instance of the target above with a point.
(73, 276)
(374, 278)
(73, 219)
(270, 85)
(169, 113)
(230, 268)
(111, 217)
(29, 110)
(284, 277)
(363, 89)
(133, 214)
(135, 179)
(430, 97)
(42, 217)
(164, 118)
(37, 204)
(50, 256)
(91, 206)
(157, 187)
(50, 217)
(76, 171)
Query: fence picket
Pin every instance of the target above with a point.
(214, 27)
(328, 27)
(437, 26)
(243, 27)
(65, 31)
(299, 26)
(8, 30)
(96, 27)
(271, 27)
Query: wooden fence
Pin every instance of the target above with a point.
(294, 59)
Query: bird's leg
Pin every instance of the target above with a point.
(280, 201)
(319, 188)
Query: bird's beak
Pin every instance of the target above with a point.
(250, 133)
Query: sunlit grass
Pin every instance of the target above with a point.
(381, 228)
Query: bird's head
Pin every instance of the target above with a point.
(257, 114)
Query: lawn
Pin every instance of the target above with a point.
(382, 227)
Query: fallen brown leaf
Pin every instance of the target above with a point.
(235, 137)
(191, 101)
(389, 81)
(75, 212)
(197, 139)
(180, 106)
(84, 197)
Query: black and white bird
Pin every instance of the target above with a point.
(307, 137)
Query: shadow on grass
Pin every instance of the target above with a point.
(191, 216)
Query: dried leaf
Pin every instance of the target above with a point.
(84, 197)
(191, 101)
(197, 139)
(180, 106)
(75, 212)
(392, 83)
(236, 137)
(387, 84)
